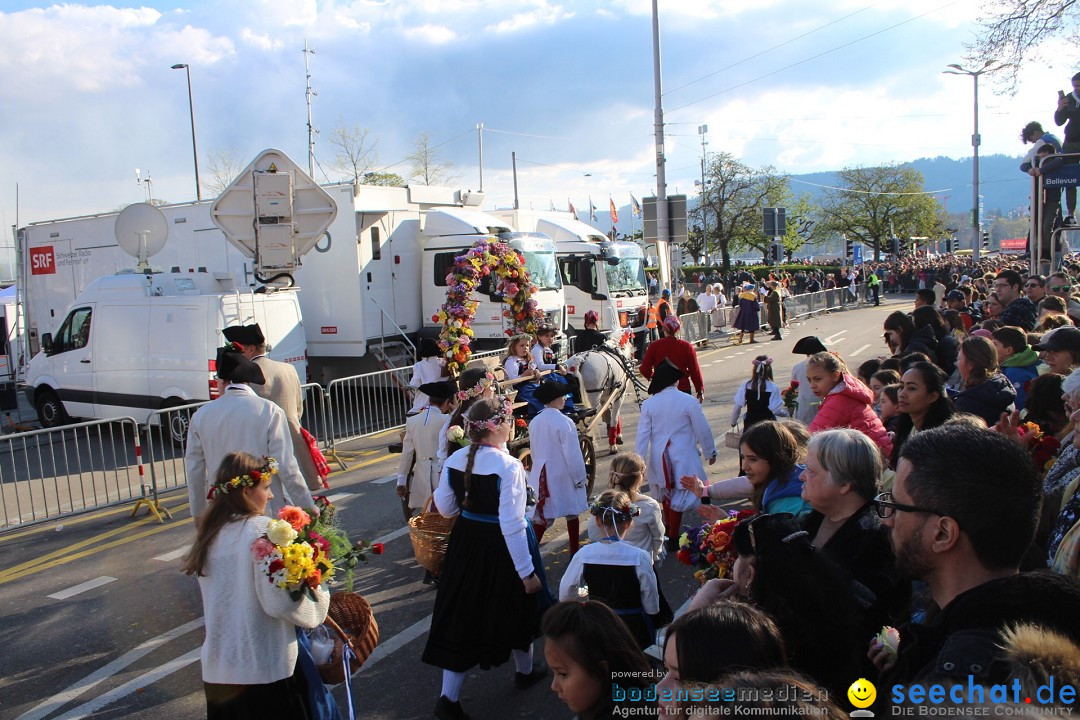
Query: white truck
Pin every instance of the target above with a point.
(367, 290)
(598, 274)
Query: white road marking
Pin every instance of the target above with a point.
(393, 535)
(384, 480)
(853, 354)
(387, 647)
(132, 686)
(174, 555)
(82, 587)
(339, 496)
(832, 338)
(108, 670)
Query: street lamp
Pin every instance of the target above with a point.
(191, 111)
(702, 129)
(975, 140)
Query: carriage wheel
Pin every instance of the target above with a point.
(524, 455)
(588, 453)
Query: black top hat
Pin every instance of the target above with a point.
(809, 345)
(550, 390)
(245, 334)
(439, 391)
(665, 375)
(234, 367)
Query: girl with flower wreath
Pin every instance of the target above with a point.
(472, 384)
(518, 363)
(492, 589)
(249, 656)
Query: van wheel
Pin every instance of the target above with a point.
(50, 410)
(176, 422)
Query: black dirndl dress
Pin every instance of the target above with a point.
(757, 408)
(617, 587)
(482, 611)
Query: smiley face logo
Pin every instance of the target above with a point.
(862, 693)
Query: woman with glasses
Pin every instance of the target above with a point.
(984, 391)
(840, 482)
(923, 404)
(805, 592)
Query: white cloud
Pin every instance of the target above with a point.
(260, 40)
(544, 14)
(433, 34)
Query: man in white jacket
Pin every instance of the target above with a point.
(241, 420)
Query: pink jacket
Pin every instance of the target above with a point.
(850, 405)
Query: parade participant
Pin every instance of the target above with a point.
(543, 356)
(961, 517)
(241, 420)
(591, 336)
(808, 404)
(591, 652)
(773, 302)
(428, 369)
(923, 403)
(680, 353)
(492, 588)
(249, 655)
(759, 395)
(281, 386)
(627, 475)
(1060, 350)
(710, 641)
(845, 401)
(420, 467)
(473, 384)
(518, 363)
(558, 473)
(984, 392)
(614, 572)
(670, 430)
(747, 314)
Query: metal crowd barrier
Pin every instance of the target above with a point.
(56, 472)
(163, 453)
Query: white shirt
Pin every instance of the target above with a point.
(513, 368)
(420, 454)
(554, 442)
(619, 554)
(706, 302)
(776, 400)
(490, 461)
(672, 416)
(538, 358)
(425, 371)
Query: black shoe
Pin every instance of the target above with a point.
(446, 710)
(1069, 220)
(671, 545)
(619, 440)
(539, 672)
(430, 578)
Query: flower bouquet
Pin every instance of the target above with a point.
(455, 433)
(1044, 448)
(709, 547)
(344, 553)
(791, 397)
(293, 555)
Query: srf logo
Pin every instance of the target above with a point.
(42, 260)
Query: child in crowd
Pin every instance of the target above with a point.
(558, 472)
(590, 652)
(543, 356)
(759, 395)
(518, 363)
(615, 572)
(428, 369)
(890, 407)
(249, 656)
(879, 380)
(647, 532)
(472, 385)
(845, 401)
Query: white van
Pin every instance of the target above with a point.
(134, 343)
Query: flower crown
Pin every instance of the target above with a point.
(477, 389)
(767, 361)
(625, 514)
(494, 422)
(250, 479)
(519, 337)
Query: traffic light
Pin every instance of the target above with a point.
(849, 248)
(985, 240)
(896, 247)
(776, 251)
(950, 245)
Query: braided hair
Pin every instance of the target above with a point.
(482, 411)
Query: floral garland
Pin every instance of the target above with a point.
(456, 314)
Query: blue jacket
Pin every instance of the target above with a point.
(785, 495)
(988, 399)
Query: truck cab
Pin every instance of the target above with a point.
(449, 232)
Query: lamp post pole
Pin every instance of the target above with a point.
(975, 141)
(191, 112)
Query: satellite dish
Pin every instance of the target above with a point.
(141, 231)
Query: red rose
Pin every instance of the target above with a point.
(377, 549)
(794, 383)
(683, 556)
(275, 566)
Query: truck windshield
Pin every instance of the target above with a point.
(543, 269)
(629, 274)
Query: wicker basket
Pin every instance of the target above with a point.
(353, 623)
(430, 533)
(731, 438)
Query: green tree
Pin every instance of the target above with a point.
(876, 204)
(735, 195)
(384, 179)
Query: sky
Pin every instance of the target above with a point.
(89, 95)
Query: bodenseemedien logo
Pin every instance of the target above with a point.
(862, 695)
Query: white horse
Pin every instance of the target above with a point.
(603, 377)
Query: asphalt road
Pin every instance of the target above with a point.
(98, 622)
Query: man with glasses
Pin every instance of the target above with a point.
(961, 517)
(1035, 288)
(1060, 285)
(1019, 311)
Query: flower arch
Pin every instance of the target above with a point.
(485, 257)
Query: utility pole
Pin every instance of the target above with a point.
(702, 129)
(310, 128)
(663, 231)
(480, 139)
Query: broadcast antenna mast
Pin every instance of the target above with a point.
(311, 131)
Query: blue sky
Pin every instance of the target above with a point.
(89, 94)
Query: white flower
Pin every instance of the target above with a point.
(280, 532)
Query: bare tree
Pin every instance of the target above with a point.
(355, 151)
(1012, 32)
(427, 168)
(221, 170)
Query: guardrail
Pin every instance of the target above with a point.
(56, 472)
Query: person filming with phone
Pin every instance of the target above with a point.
(1068, 111)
